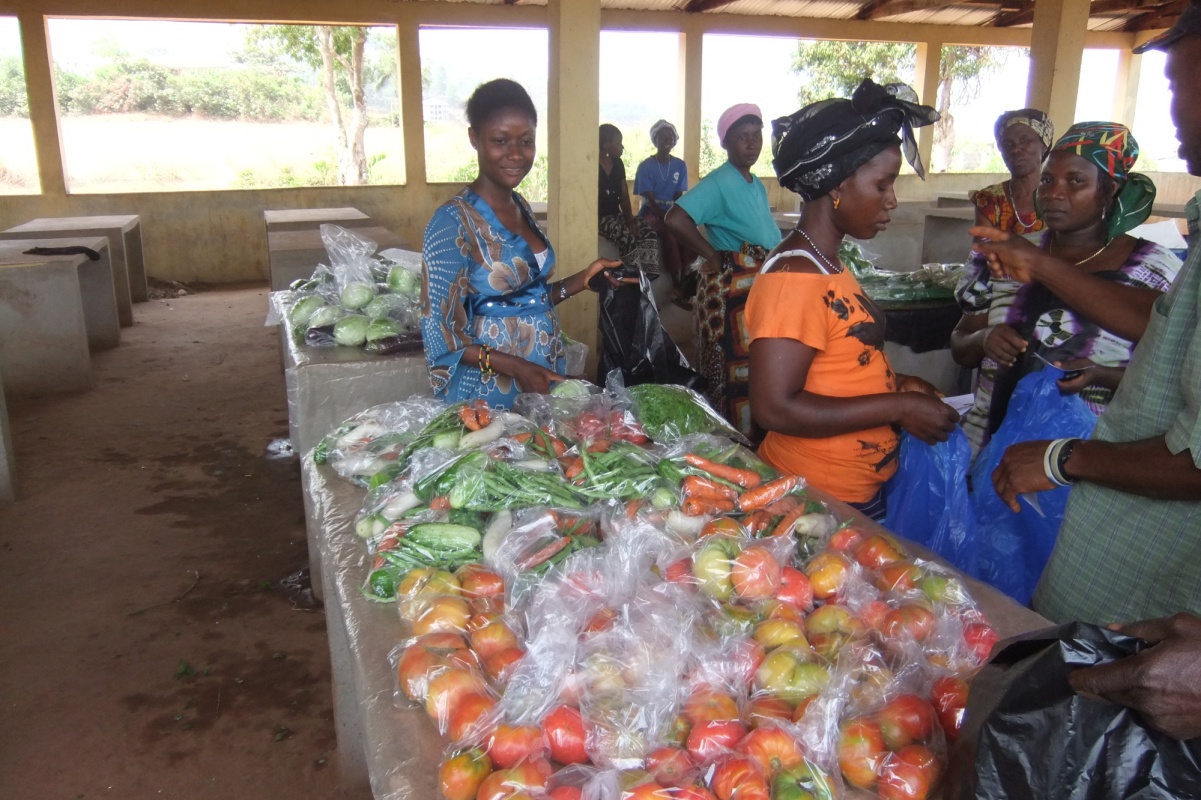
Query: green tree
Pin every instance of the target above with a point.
(337, 54)
(834, 69)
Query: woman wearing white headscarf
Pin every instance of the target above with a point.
(660, 180)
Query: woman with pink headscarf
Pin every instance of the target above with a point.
(732, 205)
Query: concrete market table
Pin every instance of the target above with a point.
(8, 468)
(295, 254)
(97, 292)
(124, 234)
(397, 750)
(303, 219)
(43, 333)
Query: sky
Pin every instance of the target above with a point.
(639, 71)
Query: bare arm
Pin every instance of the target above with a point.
(781, 403)
(679, 223)
(627, 210)
(651, 204)
(1119, 309)
(1145, 468)
(973, 338)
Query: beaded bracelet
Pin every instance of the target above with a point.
(485, 361)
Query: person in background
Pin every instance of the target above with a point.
(488, 304)
(638, 245)
(732, 205)
(660, 180)
(1086, 300)
(820, 382)
(1023, 137)
(1130, 544)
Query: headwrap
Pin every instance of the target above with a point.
(661, 125)
(732, 115)
(1114, 150)
(823, 144)
(1036, 120)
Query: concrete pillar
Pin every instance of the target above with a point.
(573, 108)
(1056, 53)
(412, 118)
(1125, 89)
(925, 72)
(691, 57)
(43, 112)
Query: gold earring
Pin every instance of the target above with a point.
(837, 200)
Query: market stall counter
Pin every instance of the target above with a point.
(397, 750)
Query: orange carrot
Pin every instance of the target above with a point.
(599, 446)
(440, 503)
(572, 467)
(757, 521)
(632, 508)
(483, 414)
(785, 505)
(760, 496)
(696, 506)
(705, 489)
(469, 418)
(785, 526)
(745, 478)
(524, 437)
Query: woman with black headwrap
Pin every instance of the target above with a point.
(820, 382)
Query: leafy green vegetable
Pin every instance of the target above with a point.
(357, 295)
(382, 329)
(403, 281)
(351, 331)
(572, 388)
(326, 315)
(304, 309)
(669, 412)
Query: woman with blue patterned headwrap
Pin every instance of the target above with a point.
(1084, 288)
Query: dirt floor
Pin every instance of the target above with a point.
(151, 644)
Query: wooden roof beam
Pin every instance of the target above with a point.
(1156, 17)
(883, 9)
(1024, 15)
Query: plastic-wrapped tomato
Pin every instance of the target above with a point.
(563, 729)
(460, 777)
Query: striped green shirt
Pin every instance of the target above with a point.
(1120, 556)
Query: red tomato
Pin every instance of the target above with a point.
(846, 539)
(755, 574)
(447, 688)
(905, 719)
(467, 713)
(772, 749)
(860, 752)
(489, 635)
(709, 704)
(909, 774)
(670, 766)
(877, 551)
(766, 707)
(460, 777)
(739, 778)
(710, 739)
(949, 695)
(563, 729)
(511, 744)
(679, 572)
(647, 791)
(500, 665)
(911, 621)
(477, 580)
(795, 588)
(901, 576)
(507, 784)
(694, 792)
(565, 793)
(981, 638)
(827, 573)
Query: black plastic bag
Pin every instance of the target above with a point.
(634, 341)
(1026, 733)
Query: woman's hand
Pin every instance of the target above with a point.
(1009, 257)
(531, 377)
(926, 417)
(598, 266)
(632, 226)
(912, 383)
(1090, 374)
(1003, 344)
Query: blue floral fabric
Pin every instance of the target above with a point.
(482, 284)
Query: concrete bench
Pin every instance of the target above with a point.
(8, 470)
(295, 254)
(100, 313)
(43, 333)
(304, 219)
(124, 234)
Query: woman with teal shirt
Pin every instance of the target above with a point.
(488, 306)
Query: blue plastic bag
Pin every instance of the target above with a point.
(1014, 548)
(928, 498)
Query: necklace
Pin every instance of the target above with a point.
(663, 168)
(1051, 251)
(817, 251)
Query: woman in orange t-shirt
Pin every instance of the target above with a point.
(820, 383)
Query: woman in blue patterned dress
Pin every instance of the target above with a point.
(488, 305)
